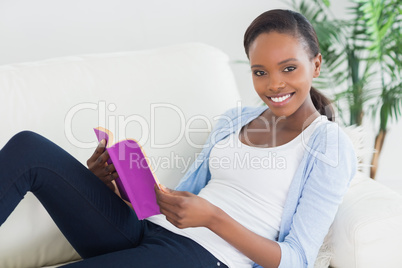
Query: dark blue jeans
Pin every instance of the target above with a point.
(98, 224)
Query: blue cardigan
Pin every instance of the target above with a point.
(321, 180)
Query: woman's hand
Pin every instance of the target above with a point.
(184, 209)
(97, 163)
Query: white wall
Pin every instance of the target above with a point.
(35, 30)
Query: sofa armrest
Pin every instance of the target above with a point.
(367, 229)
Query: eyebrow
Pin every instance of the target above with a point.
(279, 63)
(287, 60)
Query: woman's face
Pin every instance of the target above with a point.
(283, 72)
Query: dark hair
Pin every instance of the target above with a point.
(295, 24)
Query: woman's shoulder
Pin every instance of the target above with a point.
(331, 132)
(330, 143)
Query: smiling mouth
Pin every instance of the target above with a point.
(281, 98)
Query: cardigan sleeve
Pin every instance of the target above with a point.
(332, 166)
(198, 174)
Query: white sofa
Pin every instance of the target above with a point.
(168, 99)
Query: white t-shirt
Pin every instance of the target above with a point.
(250, 184)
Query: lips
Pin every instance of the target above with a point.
(280, 99)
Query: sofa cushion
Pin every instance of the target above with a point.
(367, 228)
(167, 98)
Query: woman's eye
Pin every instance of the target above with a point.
(259, 73)
(289, 69)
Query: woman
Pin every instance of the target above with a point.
(264, 190)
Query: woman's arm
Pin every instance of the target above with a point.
(331, 166)
(261, 250)
(184, 209)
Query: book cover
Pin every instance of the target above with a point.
(136, 178)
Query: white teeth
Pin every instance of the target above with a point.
(280, 99)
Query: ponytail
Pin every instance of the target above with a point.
(322, 104)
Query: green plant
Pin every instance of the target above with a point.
(362, 56)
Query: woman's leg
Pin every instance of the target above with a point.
(93, 219)
(159, 248)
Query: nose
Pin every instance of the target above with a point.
(276, 84)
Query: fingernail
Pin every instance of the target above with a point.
(103, 141)
(163, 188)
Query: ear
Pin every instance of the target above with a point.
(317, 65)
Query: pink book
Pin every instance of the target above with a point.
(136, 178)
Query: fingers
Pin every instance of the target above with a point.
(99, 166)
(109, 177)
(161, 196)
(173, 192)
(103, 158)
(167, 208)
(166, 200)
(101, 163)
(182, 209)
(98, 151)
(108, 173)
(173, 218)
(172, 199)
(110, 168)
(165, 189)
(97, 163)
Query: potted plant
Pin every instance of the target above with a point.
(363, 59)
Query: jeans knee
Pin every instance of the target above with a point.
(27, 140)
(25, 135)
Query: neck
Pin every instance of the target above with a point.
(298, 121)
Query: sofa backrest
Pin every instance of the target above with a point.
(159, 97)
